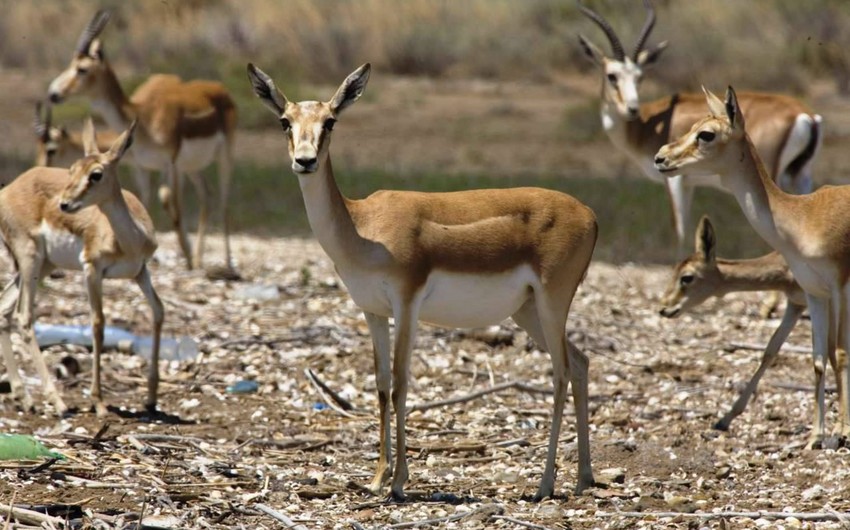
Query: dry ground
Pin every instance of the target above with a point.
(656, 385)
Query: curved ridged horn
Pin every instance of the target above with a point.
(42, 123)
(647, 28)
(616, 45)
(92, 30)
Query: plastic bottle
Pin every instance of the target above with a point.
(114, 338)
(182, 349)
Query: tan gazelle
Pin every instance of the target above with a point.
(183, 126)
(51, 218)
(785, 132)
(703, 275)
(812, 232)
(462, 259)
(59, 147)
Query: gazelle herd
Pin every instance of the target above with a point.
(461, 259)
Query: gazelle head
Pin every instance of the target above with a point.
(709, 145)
(87, 65)
(49, 139)
(308, 124)
(621, 73)
(94, 178)
(696, 278)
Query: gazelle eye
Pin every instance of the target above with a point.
(95, 176)
(686, 279)
(82, 71)
(329, 124)
(706, 136)
(612, 79)
(284, 123)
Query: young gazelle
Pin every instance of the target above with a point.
(51, 218)
(785, 132)
(812, 232)
(57, 146)
(182, 127)
(703, 275)
(462, 259)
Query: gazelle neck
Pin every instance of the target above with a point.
(129, 235)
(768, 272)
(111, 102)
(328, 214)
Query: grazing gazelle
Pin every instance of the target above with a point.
(786, 134)
(812, 232)
(703, 275)
(182, 127)
(463, 259)
(57, 146)
(81, 219)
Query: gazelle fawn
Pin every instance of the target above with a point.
(50, 219)
(812, 232)
(703, 275)
(462, 259)
(183, 126)
(785, 132)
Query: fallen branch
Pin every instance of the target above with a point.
(447, 519)
(328, 399)
(761, 347)
(519, 522)
(801, 388)
(31, 516)
(287, 522)
(802, 516)
(341, 401)
(519, 385)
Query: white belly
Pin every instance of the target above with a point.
(63, 248)
(197, 153)
(810, 278)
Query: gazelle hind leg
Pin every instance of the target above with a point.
(202, 192)
(379, 328)
(823, 341)
(225, 170)
(840, 365)
(406, 319)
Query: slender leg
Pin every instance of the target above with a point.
(225, 170)
(8, 300)
(405, 335)
(200, 186)
(789, 320)
(681, 197)
(94, 285)
(840, 365)
(172, 202)
(143, 280)
(142, 179)
(380, 330)
(822, 343)
(30, 266)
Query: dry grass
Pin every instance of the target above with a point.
(772, 44)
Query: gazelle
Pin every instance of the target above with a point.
(182, 127)
(703, 275)
(59, 147)
(462, 259)
(785, 132)
(812, 232)
(51, 218)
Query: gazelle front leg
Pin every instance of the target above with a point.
(681, 200)
(379, 328)
(841, 367)
(143, 280)
(406, 318)
(8, 300)
(94, 285)
(823, 341)
(171, 197)
(201, 191)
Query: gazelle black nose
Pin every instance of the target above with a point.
(54, 98)
(659, 159)
(64, 206)
(633, 111)
(306, 162)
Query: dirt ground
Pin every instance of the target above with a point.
(656, 387)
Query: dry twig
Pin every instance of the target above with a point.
(519, 385)
(271, 512)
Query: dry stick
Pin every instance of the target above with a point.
(438, 520)
(271, 512)
(519, 522)
(519, 385)
(341, 401)
(802, 516)
(30, 516)
(761, 347)
(330, 402)
(800, 388)
(9, 514)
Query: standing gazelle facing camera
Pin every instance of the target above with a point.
(812, 232)
(462, 259)
(77, 219)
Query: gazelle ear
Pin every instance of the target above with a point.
(715, 106)
(706, 242)
(351, 89)
(89, 138)
(733, 110)
(592, 51)
(648, 57)
(95, 50)
(122, 143)
(266, 90)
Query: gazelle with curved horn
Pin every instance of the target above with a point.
(785, 132)
(812, 232)
(57, 146)
(462, 259)
(77, 219)
(183, 126)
